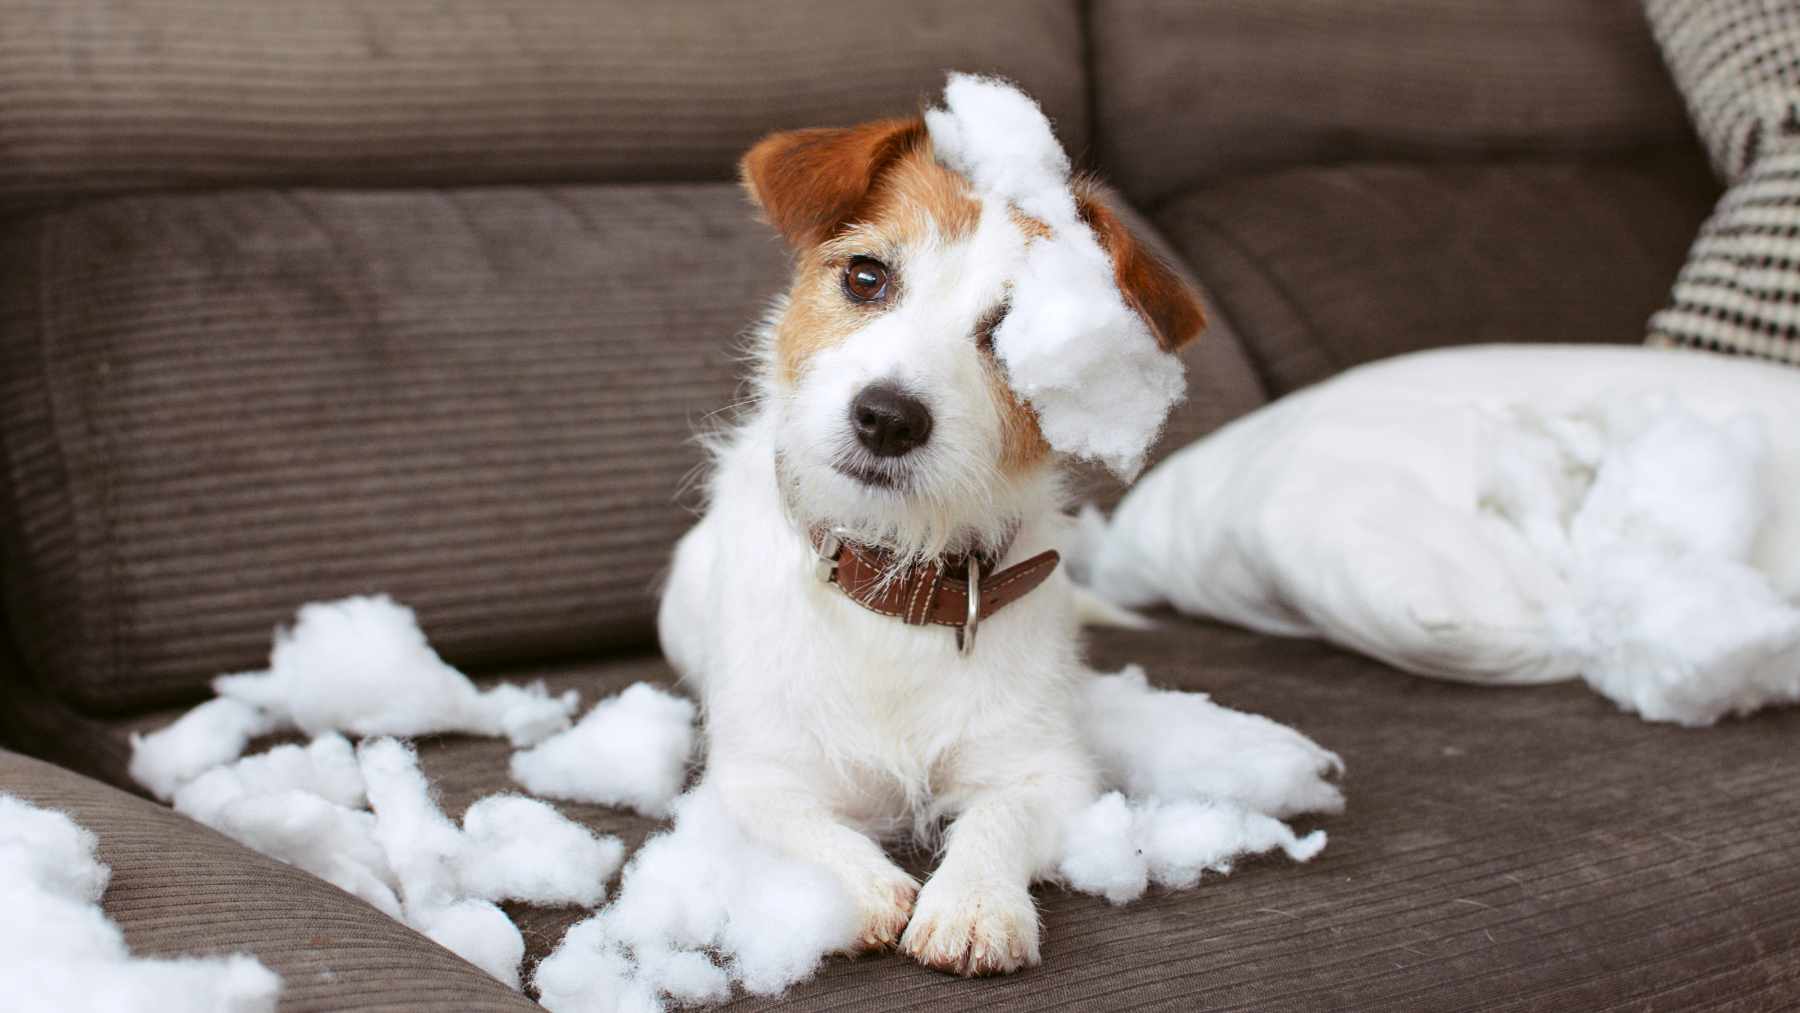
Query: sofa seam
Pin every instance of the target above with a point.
(85, 594)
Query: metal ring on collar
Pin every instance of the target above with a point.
(825, 565)
(966, 639)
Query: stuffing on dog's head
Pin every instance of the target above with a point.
(961, 313)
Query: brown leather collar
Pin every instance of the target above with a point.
(955, 591)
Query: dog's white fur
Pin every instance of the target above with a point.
(831, 728)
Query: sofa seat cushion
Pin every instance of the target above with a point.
(1323, 268)
(1521, 848)
(179, 889)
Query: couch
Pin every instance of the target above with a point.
(429, 296)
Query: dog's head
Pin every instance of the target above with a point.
(894, 415)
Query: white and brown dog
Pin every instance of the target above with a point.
(868, 608)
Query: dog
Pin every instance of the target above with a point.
(869, 607)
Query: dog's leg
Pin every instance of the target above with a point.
(975, 914)
(775, 810)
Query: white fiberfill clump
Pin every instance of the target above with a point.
(1071, 347)
(1667, 616)
(630, 750)
(322, 674)
(1196, 787)
(426, 851)
(1163, 744)
(213, 733)
(403, 855)
(1116, 848)
(357, 665)
(699, 908)
(59, 952)
(304, 806)
(364, 820)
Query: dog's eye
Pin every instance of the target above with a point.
(985, 328)
(866, 279)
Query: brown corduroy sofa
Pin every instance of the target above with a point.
(300, 300)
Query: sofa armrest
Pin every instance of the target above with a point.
(179, 888)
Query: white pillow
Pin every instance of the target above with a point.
(1501, 514)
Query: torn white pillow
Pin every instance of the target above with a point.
(1070, 346)
(1501, 514)
(59, 952)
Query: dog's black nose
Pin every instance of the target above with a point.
(889, 421)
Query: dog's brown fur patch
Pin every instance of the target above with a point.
(912, 199)
(1168, 304)
(1022, 443)
(810, 182)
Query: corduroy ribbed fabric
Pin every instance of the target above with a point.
(1518, 849)
(1321, 269)
(179, 889)
(107, 95)
(216, 408)
(1194, 93)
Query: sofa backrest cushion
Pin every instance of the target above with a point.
(216, 407)
(1188, 93)
(1325, 267)
(108, 95)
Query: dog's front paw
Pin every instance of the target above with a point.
(884, 902)
(973, 928)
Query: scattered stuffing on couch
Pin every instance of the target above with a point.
(59, 953)
(701, 910)
(698, 906)
(1500, 514)
(319, 679)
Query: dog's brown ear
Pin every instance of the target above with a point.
(1167, 303)
(809, 182)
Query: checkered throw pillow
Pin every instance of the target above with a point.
(1738, 64)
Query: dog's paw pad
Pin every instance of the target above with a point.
(982, 929)
(884, 905)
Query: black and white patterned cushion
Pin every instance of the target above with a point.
(1738, 64)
